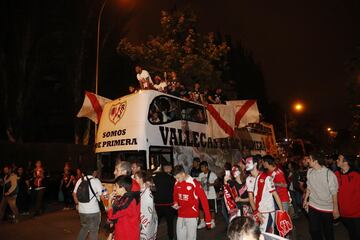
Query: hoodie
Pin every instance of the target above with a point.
(349, 193)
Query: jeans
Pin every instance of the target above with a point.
(353, 227)
(321, 223)
(11, 201)
(285, 206)
(186, 228)
(67, 192)
(90, 223)
(38, 197)
(296, 201)
(224, 211)
(169, 213)
(22, 201)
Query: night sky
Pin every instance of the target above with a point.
(301, 45)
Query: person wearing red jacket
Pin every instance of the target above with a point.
(187, 193)
(125, 210)
(349, 196)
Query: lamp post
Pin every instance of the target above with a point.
(98, 46)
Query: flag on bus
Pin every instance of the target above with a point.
(92, 107)
(221, 121)
(246, 111)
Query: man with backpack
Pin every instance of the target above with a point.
(321, 198)
(87, 194)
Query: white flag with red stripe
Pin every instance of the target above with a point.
(246, 111)
(221, 120)
(92, 107)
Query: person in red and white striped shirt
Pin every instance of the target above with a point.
(187, 193)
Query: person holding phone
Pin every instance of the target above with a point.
(187, 193)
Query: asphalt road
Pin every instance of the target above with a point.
(65, 225)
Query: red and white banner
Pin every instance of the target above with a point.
(283, 222)
(246, 111)
(92, 107)
(221, 121)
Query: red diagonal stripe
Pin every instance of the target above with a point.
(220, 121)
(95, 103)
(244, 108)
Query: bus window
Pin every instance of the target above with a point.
(164, 109)
(192, 112)
(108, 161)
(158, 155)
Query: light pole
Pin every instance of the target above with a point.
(98, 46)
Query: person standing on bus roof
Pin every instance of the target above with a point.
(132, 89)
(160, 84)
(144, 78)
(196, 95)
(187, 193)
(217, 96)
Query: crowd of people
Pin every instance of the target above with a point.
(173, 86)
(22, 190)
(254, 194)
(325, 189)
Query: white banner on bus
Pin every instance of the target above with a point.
(246, 111)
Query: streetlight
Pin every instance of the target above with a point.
(329, 129)
(297, 107)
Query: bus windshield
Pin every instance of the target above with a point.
(107, 161)
(165, 109)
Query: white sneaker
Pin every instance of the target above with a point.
(212, 224)
(201, 224)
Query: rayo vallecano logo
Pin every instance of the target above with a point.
(117, 112)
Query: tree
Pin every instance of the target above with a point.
(180, 48)
(353, 92)
(47, 60)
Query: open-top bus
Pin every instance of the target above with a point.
(150, 127)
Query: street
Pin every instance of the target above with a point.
(65, 225)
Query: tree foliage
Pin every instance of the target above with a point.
(353, 90)
(180, 48)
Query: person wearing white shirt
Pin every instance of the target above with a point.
(262, 191)
(207, 179)
(144, 78)
(90, 214)
(160, 84)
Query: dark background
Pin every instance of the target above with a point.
(295, 50)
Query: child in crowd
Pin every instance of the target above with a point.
(125, 210)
